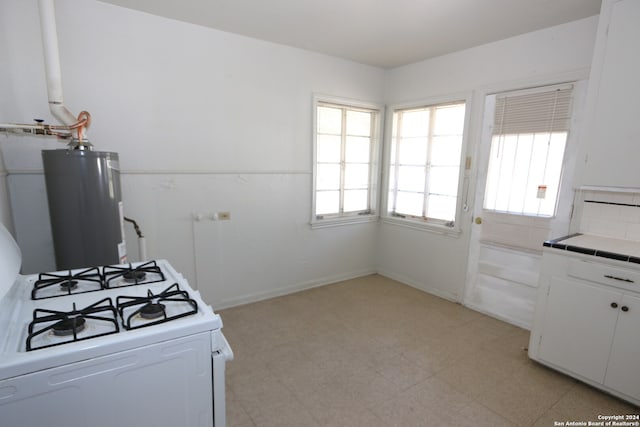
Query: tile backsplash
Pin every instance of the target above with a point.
(610, 213)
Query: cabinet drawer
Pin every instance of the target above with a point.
(605, 274)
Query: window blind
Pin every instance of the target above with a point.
(533, 110)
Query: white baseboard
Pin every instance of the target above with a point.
(290, 289)
(450, 296)
(285, 290)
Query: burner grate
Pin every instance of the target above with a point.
(51, 328)
(118, 277)
(170, 304)
(50, 285)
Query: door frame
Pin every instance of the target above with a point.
(562, 223)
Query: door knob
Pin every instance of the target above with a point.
(478, 220)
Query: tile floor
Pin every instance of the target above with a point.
(374, 352)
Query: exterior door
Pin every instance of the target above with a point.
(517, 205)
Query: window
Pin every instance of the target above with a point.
(345, 161)
(424, 162)
(527, 150)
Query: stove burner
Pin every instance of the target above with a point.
(69, 326)
(116, 276)
(170, 304)
(134, 276)
(51, 327)
(50, 285)
(152, 311)
(68, 285)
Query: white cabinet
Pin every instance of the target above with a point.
(578, 327)
(587, 321)
(612, 128)
(623, 373)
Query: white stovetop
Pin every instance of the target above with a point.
(17, 307)
(609, 244)
(16, 310)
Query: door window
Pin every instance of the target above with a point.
(527, 150)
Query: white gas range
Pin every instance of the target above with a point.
(120, 345)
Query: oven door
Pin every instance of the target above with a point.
(164, 384)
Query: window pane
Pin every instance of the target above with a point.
(394, 126)
(356, 176)
(507, 151)
(445, 150)
(344, 172)
(444, 180)
(493, 173)
(520, 163)
(413, 151)
(393, 151)
(521, 173)
(415, 123)
(411, 178)
(392, 182)
(358, 123)
(429, 141)
(524, 155)
(328, 148)
(328, 177)
(357, 149)
(355, 200)
(441, 207)
(449, 120)
(549, 149)
(409, 203)
(330, 120)
(327, 202)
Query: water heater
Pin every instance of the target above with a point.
(85, 207)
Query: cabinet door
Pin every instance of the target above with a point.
(578, 327)
(615, 129)
(623, 373)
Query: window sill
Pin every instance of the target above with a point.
(419, 225)
(345, 220)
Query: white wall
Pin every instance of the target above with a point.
(206, 121)
(436, 262)
(203, 121)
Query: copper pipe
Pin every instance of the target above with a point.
(84, 120)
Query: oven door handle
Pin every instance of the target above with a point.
(226, 349)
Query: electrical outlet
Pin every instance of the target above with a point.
(224, 216)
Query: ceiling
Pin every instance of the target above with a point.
(381, 33)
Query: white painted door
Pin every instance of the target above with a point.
(506, 247)
(578, 327)
(623, 373)
(615, 98)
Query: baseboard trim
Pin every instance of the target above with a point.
(420, 286)
(286, 290)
